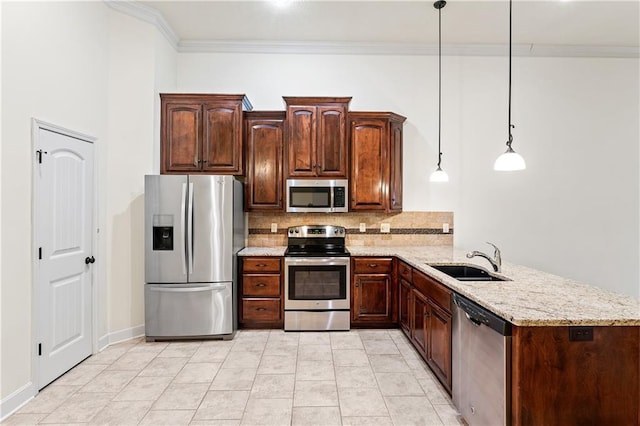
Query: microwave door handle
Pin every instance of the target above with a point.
(183, 218)
(331, 197)
(190, 228)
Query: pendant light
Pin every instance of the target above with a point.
(510, 160)
(439, 175)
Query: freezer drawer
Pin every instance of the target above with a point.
(188, 310)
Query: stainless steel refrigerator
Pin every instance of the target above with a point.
(194, 228)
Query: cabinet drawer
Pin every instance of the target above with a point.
(433, 290)
(261, 285)
(261, 309)
(405, 271)
(261, 264)
(372, 265)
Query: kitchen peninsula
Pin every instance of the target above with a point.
(555, 378)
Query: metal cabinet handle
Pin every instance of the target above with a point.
(261, 309)
(260, 265)
(88, 260)
(261, 285)
(373, 265)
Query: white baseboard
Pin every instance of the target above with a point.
(103, 342)
(16, 400)
(126, 334)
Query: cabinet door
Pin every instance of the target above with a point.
(369, 169)
(222, 149)
(331, 149)
(264, 189)
(181, 136)
(373, 298)
(439, 343)
(404, 304)
(395, 174)
(419, 323)
(301, 143)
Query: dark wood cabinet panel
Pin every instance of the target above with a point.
(374, 292)
(181, 130)
(201, 133)
(261, 298)
(368, 164)
(557, 381)
(395, 174)
(222, 144)
(301, 125)
(439, 345)
(404, 312)
(375, 140)
(332, 141)
(419, 311)
(372, 298)
(264, 139)
(265, 311)
(317, 137)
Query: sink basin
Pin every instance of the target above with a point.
(467, 273)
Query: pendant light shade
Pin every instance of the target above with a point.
(439, 175)
(510, 160)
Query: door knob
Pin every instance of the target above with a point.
(88, 260)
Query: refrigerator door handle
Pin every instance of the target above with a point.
(183, 209)
(182, 289)
(190, 229)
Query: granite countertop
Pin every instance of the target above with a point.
(530, 298)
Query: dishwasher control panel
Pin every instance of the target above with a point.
(479, 315)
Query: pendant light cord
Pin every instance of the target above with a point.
(440, 5)
(510, 125)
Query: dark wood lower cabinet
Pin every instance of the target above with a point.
(261, 302)
(557, 381)
(373, 292)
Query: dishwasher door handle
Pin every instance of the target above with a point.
(473, 320)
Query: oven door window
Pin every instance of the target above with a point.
(317, 282)
(308, 196)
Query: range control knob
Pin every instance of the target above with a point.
(291, 231)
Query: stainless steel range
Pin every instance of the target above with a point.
(317, 277)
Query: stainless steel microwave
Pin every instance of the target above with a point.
(317, 195)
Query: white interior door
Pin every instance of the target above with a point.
(63, 184)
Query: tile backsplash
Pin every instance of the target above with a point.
(406, 228)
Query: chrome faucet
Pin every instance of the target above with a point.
(496, 262)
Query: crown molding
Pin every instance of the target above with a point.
(404, 49)
(151, 15)
(147, 14)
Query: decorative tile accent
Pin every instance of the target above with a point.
(407, 228)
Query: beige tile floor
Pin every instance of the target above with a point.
(361, 377)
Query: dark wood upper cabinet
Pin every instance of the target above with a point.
(317, 137)
(202, 133)
(376, 161)
(264, 140)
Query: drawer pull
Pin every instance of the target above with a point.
(261, 309)
(373, 265)
(261, 285)
(260, 265)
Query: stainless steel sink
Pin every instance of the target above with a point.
(467, 273)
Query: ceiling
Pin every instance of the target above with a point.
(474, 22)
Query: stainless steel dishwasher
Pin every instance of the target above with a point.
(481, 352)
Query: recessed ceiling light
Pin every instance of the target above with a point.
(281, 3)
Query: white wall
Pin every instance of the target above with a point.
(54, 69)
(86, 67)
(574, 211)
(574, 118)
